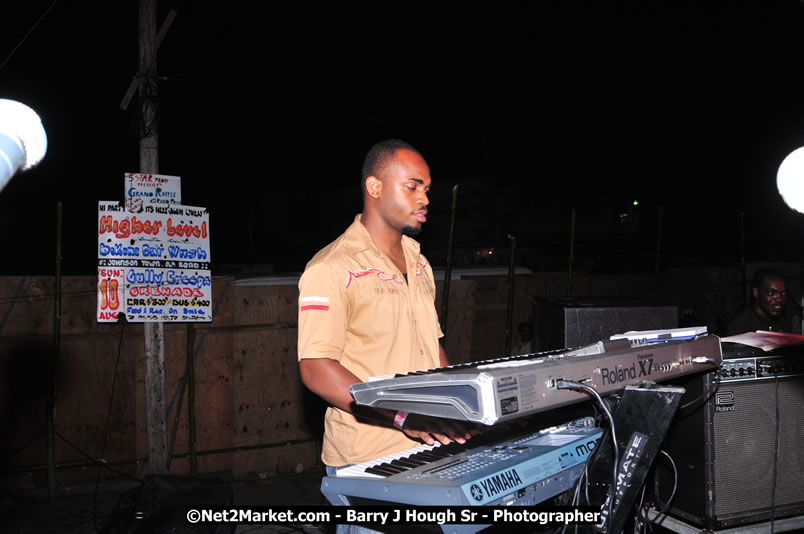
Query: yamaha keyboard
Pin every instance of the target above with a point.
(492, 391)
(519, 471)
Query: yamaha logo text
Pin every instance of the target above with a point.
(504, 481)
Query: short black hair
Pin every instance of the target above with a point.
(763, 274)
(380, 155)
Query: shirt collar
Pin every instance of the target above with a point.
(359, 240)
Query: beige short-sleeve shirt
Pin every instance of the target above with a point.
(356, 307)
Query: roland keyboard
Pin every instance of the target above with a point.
(492, 391)
(523, 470)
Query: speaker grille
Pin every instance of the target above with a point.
(745, 422)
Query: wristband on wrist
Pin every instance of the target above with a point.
(399, 419)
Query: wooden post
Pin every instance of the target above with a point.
(54, 364)
(156, 415)
(189, 379)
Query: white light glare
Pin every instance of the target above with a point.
(20, 121)
(790, 180)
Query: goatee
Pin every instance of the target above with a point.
(411, 231)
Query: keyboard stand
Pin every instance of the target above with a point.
(641, 420)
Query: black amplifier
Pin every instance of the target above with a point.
(739, 448)
(573, 321)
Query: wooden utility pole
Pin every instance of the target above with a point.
(54, 364)
(156, 414)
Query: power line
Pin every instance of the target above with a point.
(28, 34)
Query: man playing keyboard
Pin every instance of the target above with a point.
(367, 308)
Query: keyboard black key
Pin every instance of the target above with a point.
(426, 457)
(376, 470)
(414, 462)
(401, 462)
(389, 467)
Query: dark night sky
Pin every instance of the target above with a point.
(266, 113)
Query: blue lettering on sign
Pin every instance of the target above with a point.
(134, 193)
(152, 252)
(148, 276)
(197, 253)
(117, 250)
(174, 278)
(160, 193)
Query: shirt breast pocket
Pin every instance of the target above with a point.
(377, 309)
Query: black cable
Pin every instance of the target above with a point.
(569, 384)
(647, 522)
(675, 484)
(586, 485)
(642, 510)
(28, 33)
(703, 397)
(98, 461)
(108, 424)
(577, 496)
(123, 511)
(639, 519)
(669, 502)
(12, 454)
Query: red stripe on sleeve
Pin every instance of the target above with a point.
(314, 307)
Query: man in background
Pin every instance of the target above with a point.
(766, 312)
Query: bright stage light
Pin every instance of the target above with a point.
(23, 142)
(790, 180)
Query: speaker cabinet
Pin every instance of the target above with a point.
(738, 454)
(571, 322)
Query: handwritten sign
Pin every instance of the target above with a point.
(154, 265)
(142, 190)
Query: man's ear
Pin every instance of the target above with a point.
(755, 292)
(373, 186)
